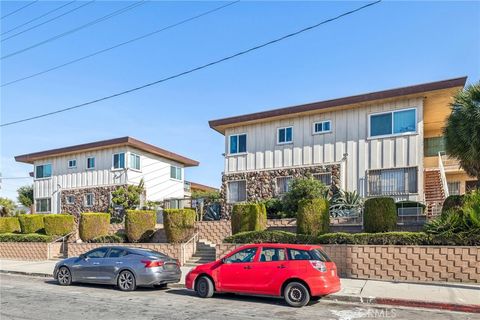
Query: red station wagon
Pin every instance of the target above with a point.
(298, 273)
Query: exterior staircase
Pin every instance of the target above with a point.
(434, 193)
(205, 253)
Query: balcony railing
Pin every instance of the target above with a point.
(449, 163)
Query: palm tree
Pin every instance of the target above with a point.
(462, 133)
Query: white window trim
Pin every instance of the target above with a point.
(72, 167)
(68, 202)
(43, 178)
(124, 161)
(85, 200)
(228, 144)
(181, 170)
(94, 163)
(321, 132)
(129, 164)
(228, 191)
(369, 137)
(36, 201)
(278, 135)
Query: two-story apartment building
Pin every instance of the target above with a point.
(380, 143)
(81, 178)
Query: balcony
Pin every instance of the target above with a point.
(450, 164)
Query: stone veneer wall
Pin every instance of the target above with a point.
(101, 199)
(399, 263)
(24, 250)
(262, 184)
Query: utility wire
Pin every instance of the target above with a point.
(37, 18)
(14, 178)
(47, 21)
(121, 44)
(194, 69)
(91, 23)
(21, 8)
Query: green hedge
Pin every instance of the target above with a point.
(313, 217)
(453, 202)
(93, 225)
(110, 238)
(140, 225)
(380, 215)
(31, 223)
(248, 217)
(386, 238)
(58, 224)
(9, 225)
(178, 223)
(30, 237)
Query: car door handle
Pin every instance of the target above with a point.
(95, 263)
(281, 266)
(247, 267)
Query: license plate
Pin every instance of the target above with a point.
(170, 267)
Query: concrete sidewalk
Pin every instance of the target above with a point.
(450, 296)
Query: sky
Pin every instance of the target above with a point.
(388, 45)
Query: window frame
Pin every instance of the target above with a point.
(369, 136)
(86, 200)
(314, 132)
(42, 165)
(94, 163)
(238, 143)
(317, 175)
(278, 135)
(394, 193)
(228, 190)
(98, 249)
(49, 201)
(74, 166)
(124, 161)
(254, 258)
(67, 199)
(177, 169)
(272, 248)
(137, 156)
(288, 178)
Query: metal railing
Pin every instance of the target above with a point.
(392, 182)
(193, 240)
(346, 214)
(443, 177)
(63, 239)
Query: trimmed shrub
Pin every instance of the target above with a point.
(248, 217)
(93, 225)
(31, 223)
(29, 237)
(109, 238)
(140, 225)
(9, 225)
(380, 215)
(58, 224)
(313, 217)
(454, 202)
(274, 208)
(274, 236)
(179, 224)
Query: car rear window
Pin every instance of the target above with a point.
(152, 253)
(314, 254)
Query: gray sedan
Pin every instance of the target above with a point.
(125, 267)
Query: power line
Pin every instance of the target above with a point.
(121, 44)
(15, 178)
(47, 21)
(21, 8)
(91, 23)
(37, 18)
(196, 68)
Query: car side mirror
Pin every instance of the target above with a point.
(224, 260)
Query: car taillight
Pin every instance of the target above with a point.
(152, 263)
(319, 265)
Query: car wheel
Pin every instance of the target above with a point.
(126, 281)
(296, 294)
(204, 287)
(64, 276)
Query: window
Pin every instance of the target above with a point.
(395, 122)
(237, 191)
(393, 181)
(285, 135)
(90, 162)
(314, 254)
(245, 255)
(283, 184)
(134, 161)
(238, 143)
(322, 127)
(97, 253)
(43, 171)
(176, 173)
(432, 146)
(119, 161)
(453, 188)
(72, 164)
(325, 178)
(43, 205)
(117, 253)
(89, 200)
(272, 254)
(70, 199)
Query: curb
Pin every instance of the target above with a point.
(23, 273)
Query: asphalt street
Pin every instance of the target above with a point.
(25, 297)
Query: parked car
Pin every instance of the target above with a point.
(298, 273)
(125, 267)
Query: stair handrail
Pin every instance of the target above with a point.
(62, 238)
(193, 238)
(443, 176)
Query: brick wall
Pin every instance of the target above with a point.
(24, 250)
(400, 263)
(213, 231)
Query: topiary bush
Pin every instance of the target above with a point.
(248, 217)
(313, 217)
(301, 189)
(179, 224)
(140, 225)
(109, 238)
(274, 236)
(93, 225)
(30, 237)
(31, 223)
(380, 215)
(58, 224)
(9, 225)
(454, 202)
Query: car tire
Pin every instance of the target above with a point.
(296, 294)
(64, 276)
(126, 281)
(204, 287)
